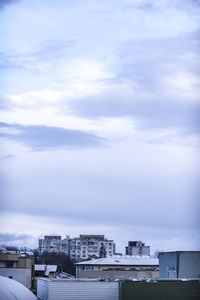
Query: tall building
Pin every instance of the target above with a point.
(137, 248)
(78, 248)
(91, 245)
(54, 243)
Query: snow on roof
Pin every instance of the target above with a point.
(2, 249)
(46, 268)
(29, 253)
(40, 267)
(50, 268)
(16, 252)
(123, 261)
(12, 290)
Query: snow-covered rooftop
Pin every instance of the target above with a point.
(50, 268)
(40, 267)
(13, 290)
(20, 253)
(46, 268)
(123, 261)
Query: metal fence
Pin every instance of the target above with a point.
(160, 290)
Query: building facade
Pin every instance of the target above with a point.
(137, 248)
(179, 264)
(121, 267)
(54, 244)
(18, 266)
(91, 245)
(79, 248)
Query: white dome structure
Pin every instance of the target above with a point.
(12, 290)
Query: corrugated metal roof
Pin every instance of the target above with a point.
(76, 289)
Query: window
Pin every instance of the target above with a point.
(9, 264)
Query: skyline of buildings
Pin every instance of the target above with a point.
(78, 248)
(85, 246)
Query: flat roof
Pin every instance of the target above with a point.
(179, 251)
(126, 260)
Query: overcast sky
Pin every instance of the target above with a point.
(100, 107)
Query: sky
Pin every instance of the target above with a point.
(99, 121)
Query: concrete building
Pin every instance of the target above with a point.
(79, 248)
(54, 244)
(137, 248)
(119, 267)
(179, 264)
(92, 245)
(18, 266)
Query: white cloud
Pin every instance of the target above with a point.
(126, 71)
(184, 86)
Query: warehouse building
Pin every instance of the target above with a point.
(93, 289)
(119, 267)
(179, 264)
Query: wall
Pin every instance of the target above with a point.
(166, 261)
(165, 290)
(118, 274)
(21, 275)
(75, 290)
(189, 265)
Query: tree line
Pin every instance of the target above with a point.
(62, 260)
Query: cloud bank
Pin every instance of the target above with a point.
(41, 138)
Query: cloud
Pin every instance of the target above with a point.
(12, 237)
(160, 4)
(41, 138)
(148, 111)
(6, 157)
(156, 84)
(47, 51)
(4, 3)
(5, 103)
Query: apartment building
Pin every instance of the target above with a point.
(91, 245)
(54, 244)
(137, 248)
(78, 248)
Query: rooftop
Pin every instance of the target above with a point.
(123, 261)
(46, 268)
